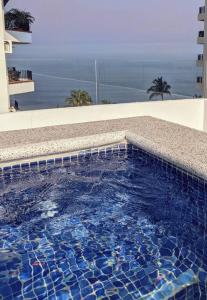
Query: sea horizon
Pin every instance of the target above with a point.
(125, 73)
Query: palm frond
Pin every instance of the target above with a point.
(78, 98)
(18, 19)
(159, 88)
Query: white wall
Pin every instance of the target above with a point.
(18, 37)
(4, 96)
(205, 116)
(21, 87)
(185, 112)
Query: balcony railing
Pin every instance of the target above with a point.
(16, 76)
(201, 33)
(200, 79)
(11, 25)
(202, 10)
(18, 29)
(200, 57)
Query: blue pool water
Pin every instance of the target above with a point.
(118, 224)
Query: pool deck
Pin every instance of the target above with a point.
(183, 146)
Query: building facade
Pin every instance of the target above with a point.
(12, 80)
(202, 40)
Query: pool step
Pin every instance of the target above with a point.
(173, 287)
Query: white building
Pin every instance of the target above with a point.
(18, 81)
(202, 58)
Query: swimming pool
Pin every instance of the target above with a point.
(118, 223)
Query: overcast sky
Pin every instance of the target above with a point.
(117, 21)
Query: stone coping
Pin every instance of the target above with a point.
(56, 147)
(185, 147)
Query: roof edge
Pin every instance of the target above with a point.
(5, 2)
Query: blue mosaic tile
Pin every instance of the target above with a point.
(33, 166)
(50, 162)
(25, 166)
(42, 163)
(66, 159)
(74, 158)
(114, 223)
(58, 161)
(16, 168)
(7, 170)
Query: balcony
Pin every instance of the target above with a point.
(200, 39)
(18, 26)
(7, 47)
(200, 60)
(200, 81)
(201, 14)
(18, 36)
(20, 82)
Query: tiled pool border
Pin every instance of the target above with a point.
(57, 159)
(65, 159)
(182, 173)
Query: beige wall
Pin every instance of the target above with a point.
(185, 112)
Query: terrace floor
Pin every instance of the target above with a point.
(178, 144)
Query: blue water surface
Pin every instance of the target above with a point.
(111, 225)
(122, 79)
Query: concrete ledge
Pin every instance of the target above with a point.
(180, 145)
(25, 152)
(21, 87)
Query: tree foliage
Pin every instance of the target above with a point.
(78, 98)
(16, 19)
(159, 88)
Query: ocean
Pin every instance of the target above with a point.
(123, 77)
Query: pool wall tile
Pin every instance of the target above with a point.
(144, 284)
(116, 150)
(7, 170)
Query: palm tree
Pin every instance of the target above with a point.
(18, 19)
(159, 88)
(78, 98)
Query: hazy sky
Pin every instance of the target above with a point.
(117, 21)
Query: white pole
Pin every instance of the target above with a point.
(97, 83)
(4, 91)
